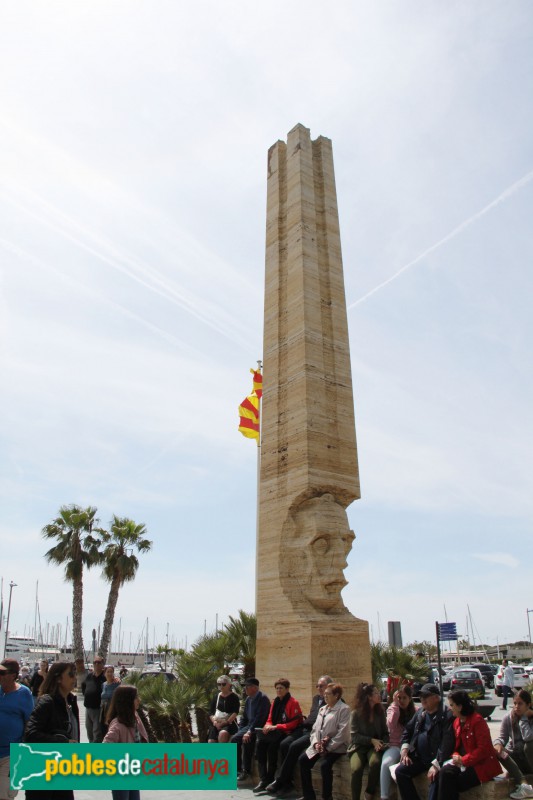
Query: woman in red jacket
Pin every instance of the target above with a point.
(285, 717)
(475, 760)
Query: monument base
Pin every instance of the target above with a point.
(303, 650)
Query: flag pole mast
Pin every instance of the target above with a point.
(258, 480)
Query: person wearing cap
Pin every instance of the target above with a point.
(16, 705)
(255, 715)
(427, 742)
(91, 689)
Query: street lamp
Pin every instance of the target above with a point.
(528, 612)
(11, 584)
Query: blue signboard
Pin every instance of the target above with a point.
(447, 631)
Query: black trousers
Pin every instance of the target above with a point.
(290, 749)
(452, 780)
(266, 752)
(326, 768)
(245, 751)
(404, 779)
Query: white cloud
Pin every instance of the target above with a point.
(502, 559)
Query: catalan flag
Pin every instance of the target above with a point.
(258, 382)
(249, 408)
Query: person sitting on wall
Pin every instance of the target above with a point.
(293, 745)
(255, 715)
(514, 745)
(369, 739)
(329, 741)
(474, 760)
(284, 717)
(223, 712)
(427, 742)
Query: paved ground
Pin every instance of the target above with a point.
(239, 794)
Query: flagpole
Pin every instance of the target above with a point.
(258, 481)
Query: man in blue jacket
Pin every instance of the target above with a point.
(255, 715)
(428, 740)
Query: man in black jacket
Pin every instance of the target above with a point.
(91, 688)
(427, 742)
(255, 715)
(294, 744)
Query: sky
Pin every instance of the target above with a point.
(133, 153)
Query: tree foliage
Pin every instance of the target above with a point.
(120, 565)
(400, 659)
(77, 535)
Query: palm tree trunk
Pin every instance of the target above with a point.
(202, 723)
(185, 732)
(109, 617)
(145, 719)
(77, 609)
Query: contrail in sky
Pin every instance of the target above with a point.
(500, 199)
(18, 251)
(211, 314)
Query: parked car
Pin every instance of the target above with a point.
(466, 678)
(432, 677)
(167, 676)
(486, 672)
(521, 679)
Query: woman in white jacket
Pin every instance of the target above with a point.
(330, 737)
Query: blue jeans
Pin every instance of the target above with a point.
(391, 756)
(126, 794)
(506, 692)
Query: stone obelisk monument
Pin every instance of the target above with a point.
(309, 470)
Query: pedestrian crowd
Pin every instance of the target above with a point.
(449, 744)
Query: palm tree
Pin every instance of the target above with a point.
(76, 548)
(241, 636)
(120, 565)
(399, 659)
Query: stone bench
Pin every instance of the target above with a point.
(492, 790)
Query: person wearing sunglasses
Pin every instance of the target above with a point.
(223, 712)
(15, 708)
(55, 718)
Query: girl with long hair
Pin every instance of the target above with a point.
(369, 739)
(514, 745)
(125, 727)
(55, 718)
(400, 711)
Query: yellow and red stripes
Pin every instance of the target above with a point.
(249, 408)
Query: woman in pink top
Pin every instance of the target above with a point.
(125, 727)
(399, 713)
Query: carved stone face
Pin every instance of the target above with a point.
(316, 554)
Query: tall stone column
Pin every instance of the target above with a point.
(309, 470)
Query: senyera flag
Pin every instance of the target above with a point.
(249, 408)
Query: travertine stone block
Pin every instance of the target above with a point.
(309, 470)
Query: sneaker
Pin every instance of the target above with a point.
(522, 791)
